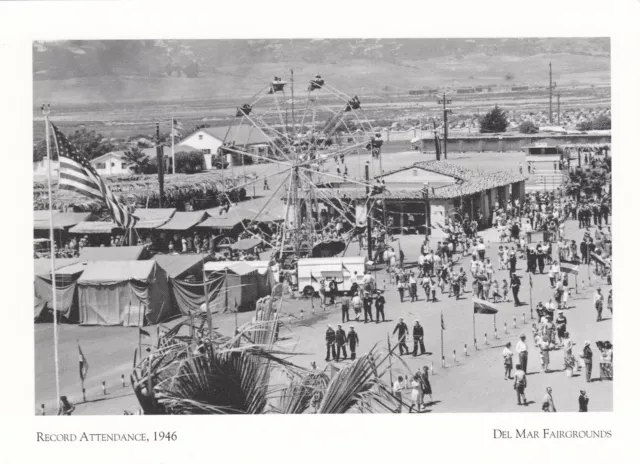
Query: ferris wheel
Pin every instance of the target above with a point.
(305, 145)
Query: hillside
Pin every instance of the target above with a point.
(81, 72)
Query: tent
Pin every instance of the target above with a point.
(236, 285)
(260, 209)
(96, 227)
(128, 293)
(120, 253)
(184, 273)
(246, 244)
(68, 271)
(152, 218)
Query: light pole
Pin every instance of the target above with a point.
(443, 101)
(427, 211)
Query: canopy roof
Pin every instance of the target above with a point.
(184, 220)
(122, 253)
(150, 218)
(117, 271)
(246, 244)
(260, 209)
(98, 227)
(237, 267)
(42, 267)
(175, 265)
(60, 220)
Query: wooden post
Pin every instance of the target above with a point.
(390, 361)
(42, 408)
(206, 300)
(466, 353)
(122, 378)
(104, 388)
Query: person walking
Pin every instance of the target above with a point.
(353, 340)
(561, 325)
(403, 331)
(346, 302)
(548, 404)
(520, 385)
(398, 387)
(400, 287)
(330, 340)
(583, 401)
(341, 340)
(418, 338)
(356, 301)
(523, 352)
(380, 301)
(367, 303)
(413, 287)
(507, 357)
(426, 384)
(515, 288)
(598, 300)
(587, 357)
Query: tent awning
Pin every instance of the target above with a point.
(42, 267)
(261, 209)
(122, 253)
(184, 220)
(237, 267)
(60, 220)
(220, 222)
(175, 265)
(246, 244)
(116, 271)
(100, 227)
(152, 218)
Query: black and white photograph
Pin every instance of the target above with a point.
(322, 226)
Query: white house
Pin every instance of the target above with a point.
(111, 164)
(209, 139)
(41, 168)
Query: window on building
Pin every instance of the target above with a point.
(200, 137)
(124, 165)
(113, 165)
(101, 165)
(415, 173)
(206, 151)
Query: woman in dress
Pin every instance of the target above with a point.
(426, 384)
(416, 392)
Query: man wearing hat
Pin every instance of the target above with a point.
(561, 325)
(380, 301)
(330, 340)
(587, 356)
(352, 338)
(523, 352)
(341, 340)
(418, 338)
(402, 330)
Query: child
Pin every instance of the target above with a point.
(505, 290)
(495, 291)
(501, 257)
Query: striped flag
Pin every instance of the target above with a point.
(569, 268)
(77, 175)
(83, 364)
(483, 307)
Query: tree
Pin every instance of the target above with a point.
(189, 162)
(494, 121)
(600, 123)
(527, 127)
(88, 143)
(137, 160)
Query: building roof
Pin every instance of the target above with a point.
(438, 167)
(243, 134)
(184, 220)
(118, 153)
(120, 253)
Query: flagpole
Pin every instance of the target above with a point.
(173, 152)
(441, 339)
(475, 342)
(46, 109)
(530, 297)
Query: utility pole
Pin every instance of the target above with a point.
(550, 97)
(427, 211)
(160, 162)
(443, 101)
(366, 178)
(558, 108)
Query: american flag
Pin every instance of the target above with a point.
(176, 129)
(77, 175)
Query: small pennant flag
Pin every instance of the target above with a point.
(344, 269)
(83, 364)
(313, 279)
(483, 307)
(598, 259)
(144, 333)
(441, 321)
